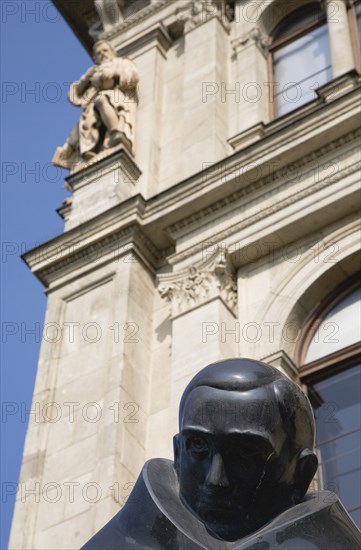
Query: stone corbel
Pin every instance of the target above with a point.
(200, 284)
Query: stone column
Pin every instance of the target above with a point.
(203, 302)
(340, 38)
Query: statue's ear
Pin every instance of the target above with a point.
(176, 450)
(305, 470)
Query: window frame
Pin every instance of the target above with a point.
(274, 45)
(314, 378)
(335, 361)
(355, 39)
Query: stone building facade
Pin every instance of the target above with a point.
(231, 230)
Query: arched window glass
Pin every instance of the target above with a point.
(340, 328)
(332, 372)
(301, 58)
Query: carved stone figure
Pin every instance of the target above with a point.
(243, 461)
(107, 94)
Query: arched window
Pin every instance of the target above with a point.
(331, 370)
(300, 56)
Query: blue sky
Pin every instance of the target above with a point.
(39, 56)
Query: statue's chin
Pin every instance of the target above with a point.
(221, 525)
(226, 532)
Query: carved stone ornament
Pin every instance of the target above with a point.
(200, 284)
(108, 96)
(200, 11)
(110, 12)
(256, 36)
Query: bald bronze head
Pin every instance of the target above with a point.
(244, 452)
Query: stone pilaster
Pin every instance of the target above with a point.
(251, 76)
(149, 52)
(203, 301)
(340, 38)
(205, 104)
(86, 438)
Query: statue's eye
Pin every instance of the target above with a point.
(197, 445)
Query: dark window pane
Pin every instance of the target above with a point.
(337, 402)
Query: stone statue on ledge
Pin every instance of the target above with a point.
(107, 94)
(243, 462)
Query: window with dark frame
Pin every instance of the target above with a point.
(354, 13)
(300, 58)
(331, 370)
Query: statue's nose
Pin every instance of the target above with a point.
(217, 476)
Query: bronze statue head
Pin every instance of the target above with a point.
(244, 449)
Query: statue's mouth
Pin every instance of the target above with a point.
(217, 502)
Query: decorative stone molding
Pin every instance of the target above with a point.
(266, 212)
(156, 37)
(247, 137)
(197, 12)
(60, 257)
(151, 9)
(254, 36)
(273, 176)
(338, 86)
(200, 284)
(110, 12)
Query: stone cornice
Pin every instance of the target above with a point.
(197, 12)
(103, 162)
(156, 36)
(138, 18)
(208, 192)
(76, 255)
(311, 132)
(275, 175)
(262, 214)
(201, 283)
(128, 36)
